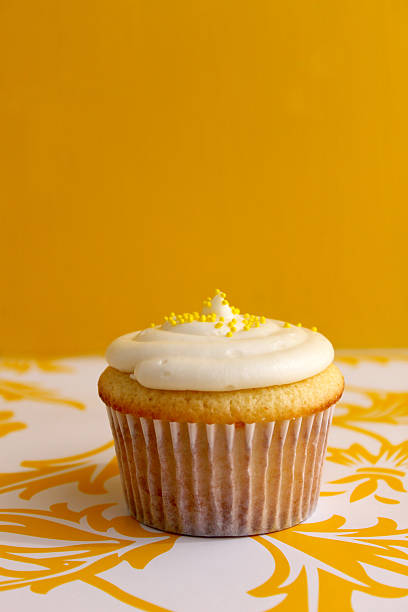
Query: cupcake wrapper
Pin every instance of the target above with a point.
(220, 480)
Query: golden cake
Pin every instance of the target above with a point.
(220, 420)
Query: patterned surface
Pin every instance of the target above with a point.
(66, 539)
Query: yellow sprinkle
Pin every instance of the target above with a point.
(152, 324)
(233, 321)
(229, 334)
(166, 318)
(263, 320)
(218, 325)
(257, 324)
(233, 329)
(172, 314)
(246, 328)
(287, 325)
(222, 294)
(217, 291)
(173, 322)
(314, 329)
(203, 318)
(224, 302)
(298, 325)
(221, 318)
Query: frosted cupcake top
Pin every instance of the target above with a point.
(220, 349)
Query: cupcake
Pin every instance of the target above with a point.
(220, 420)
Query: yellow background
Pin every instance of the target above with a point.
(152, 151)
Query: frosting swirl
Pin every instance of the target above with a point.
(220, 350)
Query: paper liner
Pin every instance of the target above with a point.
(220, 480)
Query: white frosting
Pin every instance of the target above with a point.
(198, 356)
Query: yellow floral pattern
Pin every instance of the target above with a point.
(70, 549)
(389, 467)
(385, 407)
(7, 425)
(63, 519)
(81, 469)
(384, 357)
(340, 555)
(13, 391)
(23, 365)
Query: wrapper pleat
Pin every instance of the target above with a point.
(220, 480)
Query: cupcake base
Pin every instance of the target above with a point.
(220, 480)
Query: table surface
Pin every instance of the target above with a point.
(66, 540)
